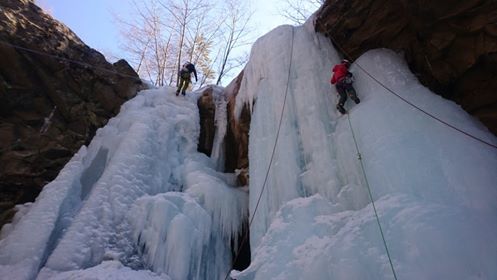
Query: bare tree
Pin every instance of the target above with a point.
(145, 41)
(234, 35)
(183, 11)
(200, 40)
(166, 33)
(298, 11)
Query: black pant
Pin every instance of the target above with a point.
(184, 82)
(345, 89)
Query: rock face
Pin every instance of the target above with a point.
(207, 113)
(451, 45)
(236, 139)
(54, 93)
(237, 135)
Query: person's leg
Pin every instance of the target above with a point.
(342, 94)
(353, 94)
(186, 82)
(342, 98)
(180, 85)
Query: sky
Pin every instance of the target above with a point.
(94, 21)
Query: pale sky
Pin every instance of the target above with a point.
(94, 20)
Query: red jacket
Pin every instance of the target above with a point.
(339, 72)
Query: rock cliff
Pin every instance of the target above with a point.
(451, 45)
(207, 114)
(54, 93)
(236, 138)
(237, 135)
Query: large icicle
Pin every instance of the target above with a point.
(292, 61)
(221, 123)
(187, 235)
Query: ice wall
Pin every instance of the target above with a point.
(139, 195)
(307, 121)
(434, 188)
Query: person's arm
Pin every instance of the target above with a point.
(195, 73)
(333, 79)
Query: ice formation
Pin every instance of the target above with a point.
(140, 202)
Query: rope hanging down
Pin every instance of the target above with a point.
(84, 64)
(359, 157)
(405, 100)
(272, 154)
(371, 198)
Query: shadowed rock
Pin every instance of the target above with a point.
(54, 93)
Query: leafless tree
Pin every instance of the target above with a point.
(235, 34)
(298, 11)
(165, 33)
(183, 13)
(200, 41)
(145, 42)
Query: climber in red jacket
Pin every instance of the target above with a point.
(342, 79)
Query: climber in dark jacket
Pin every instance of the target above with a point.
(184, 77)
(342, 79)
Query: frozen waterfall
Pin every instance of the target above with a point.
(141, 203)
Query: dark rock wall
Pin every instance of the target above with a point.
(44, 65)
(237, 135)
(207, 114)
(450, 45)
(236, 139)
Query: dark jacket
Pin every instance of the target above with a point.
(188, 68)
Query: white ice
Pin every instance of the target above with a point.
(434, 188)
(221, 123)
(122, 197)
(110, 270)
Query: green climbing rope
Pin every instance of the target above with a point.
(359, 157)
